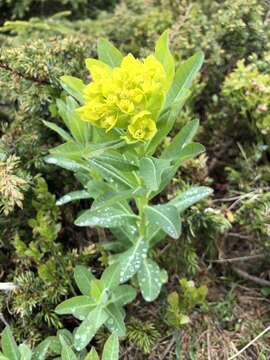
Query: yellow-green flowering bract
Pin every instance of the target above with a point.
(128, 97)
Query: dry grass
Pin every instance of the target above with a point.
(233, 320)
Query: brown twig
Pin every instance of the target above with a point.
(241, 197)
(209, 353)
(250, 343)
(168, 348)
(239, 259)
(252, 278)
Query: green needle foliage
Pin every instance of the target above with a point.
(142, 334)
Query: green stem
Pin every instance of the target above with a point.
(142, 222)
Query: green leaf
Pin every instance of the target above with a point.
(65, 335)
(93, 355)
(149, 173)
(97, 187)
(74, 86)
(184, 76)
(113, 175)
(71, 150)
(123, 295)
(111, 348)
(97, 290)
(166, 217)
(41, 350)
(108, 217)
(83, 278)
(110, 277)
(190, 151)
(67, 353)
(88, 328)
(108, 53)
(124, 235)
(149, 278)
(25, 351)
(78, 306)
(189, 197)
(184, 136)
(72, 196)
(80, 130)
(151, 170)
(117, 161)
(9, 346)
(101, 147)
(163, 54)
(130, 260)
(115, 322)
(2, 357)
(55, 342)
(63, 162)
(111, 197)
(166, 122)
(64, 134)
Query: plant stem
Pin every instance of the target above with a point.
(142, 222)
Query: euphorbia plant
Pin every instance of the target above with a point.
(116, 124)
(101, 304)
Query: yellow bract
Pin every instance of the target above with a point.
(128, 97)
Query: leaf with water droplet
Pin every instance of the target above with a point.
(149, 278)
(123, 295)
(41, 350)
(115, 320)
(109, 217)
(111, 348)
(78, 306)
(83, 278)
(131, 260)
(110, 277)
(66, 352)
(63, 162)
(166, 217)
(189, 197)
(72, 196)
(88, 328)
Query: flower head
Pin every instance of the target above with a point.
(129, 97)
(142, 126)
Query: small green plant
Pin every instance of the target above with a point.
(142, 334)
(101, 304)
(61, 344)
(180, 306)
(11, 351)
(116, 124)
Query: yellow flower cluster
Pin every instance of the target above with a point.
(128, 97)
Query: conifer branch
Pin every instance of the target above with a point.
(42, 81)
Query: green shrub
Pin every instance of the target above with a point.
(247, 91)
(18, 9)
(44, 267)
